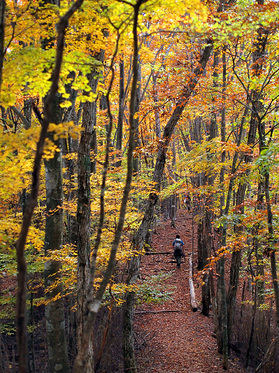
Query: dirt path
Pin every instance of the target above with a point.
(176, 340)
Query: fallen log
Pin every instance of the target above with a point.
(174, 261)
(160, 253)
(268, 355)
(194, 304)
(160, 311)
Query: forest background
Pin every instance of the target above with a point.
(111, 112)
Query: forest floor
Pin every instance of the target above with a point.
(171, 338)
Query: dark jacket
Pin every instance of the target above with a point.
(178, 251)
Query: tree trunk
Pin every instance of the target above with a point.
(206, 238)
(84, 229)
(224, 314)
(128, 334)
(156, 102)
(119, 134)
(137, 106)
(84, 216)
(2, 37)
(54, 309)
(272, 252)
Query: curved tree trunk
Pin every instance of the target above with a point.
(32, 202)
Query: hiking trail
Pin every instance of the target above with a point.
(170, 337)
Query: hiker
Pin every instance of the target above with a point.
(178, 249)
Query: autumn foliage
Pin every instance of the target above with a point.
(190, 84)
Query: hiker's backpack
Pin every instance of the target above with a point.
(177, 246)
